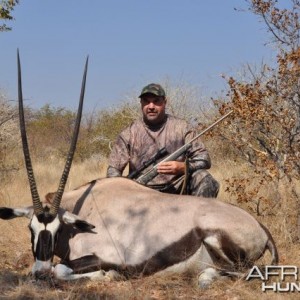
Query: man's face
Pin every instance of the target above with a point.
(153, 108)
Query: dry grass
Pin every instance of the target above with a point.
(16, 259)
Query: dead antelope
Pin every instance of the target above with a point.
(136, 230)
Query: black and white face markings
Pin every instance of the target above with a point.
(44, 232)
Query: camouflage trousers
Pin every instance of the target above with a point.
(199, 183)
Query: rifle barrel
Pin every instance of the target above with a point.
(211, 126)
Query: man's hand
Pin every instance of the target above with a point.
(171, 168)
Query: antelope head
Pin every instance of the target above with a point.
(45, 222)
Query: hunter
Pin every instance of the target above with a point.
(140, 142)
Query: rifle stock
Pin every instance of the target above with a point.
(148, 176)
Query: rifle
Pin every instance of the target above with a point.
(145, 178)
(160, 153)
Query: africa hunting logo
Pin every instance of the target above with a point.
(281, 279)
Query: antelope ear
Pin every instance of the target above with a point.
(76, 222)
(7, 213)
(50, 197)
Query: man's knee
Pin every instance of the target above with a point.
(209, 187)
(203, 184)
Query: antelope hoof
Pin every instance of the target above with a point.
(207, 277)
(61, 271)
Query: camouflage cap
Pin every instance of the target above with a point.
(153, 88)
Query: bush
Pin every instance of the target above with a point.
(266, 122)
(50, 131)
(9, 137)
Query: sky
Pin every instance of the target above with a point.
(130, 44)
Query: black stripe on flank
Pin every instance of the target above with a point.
(175, 253)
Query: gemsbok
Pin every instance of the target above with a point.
(117, 228)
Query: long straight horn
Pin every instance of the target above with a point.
(37, 205)
(56, 203)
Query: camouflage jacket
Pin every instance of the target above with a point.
(138, 143)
